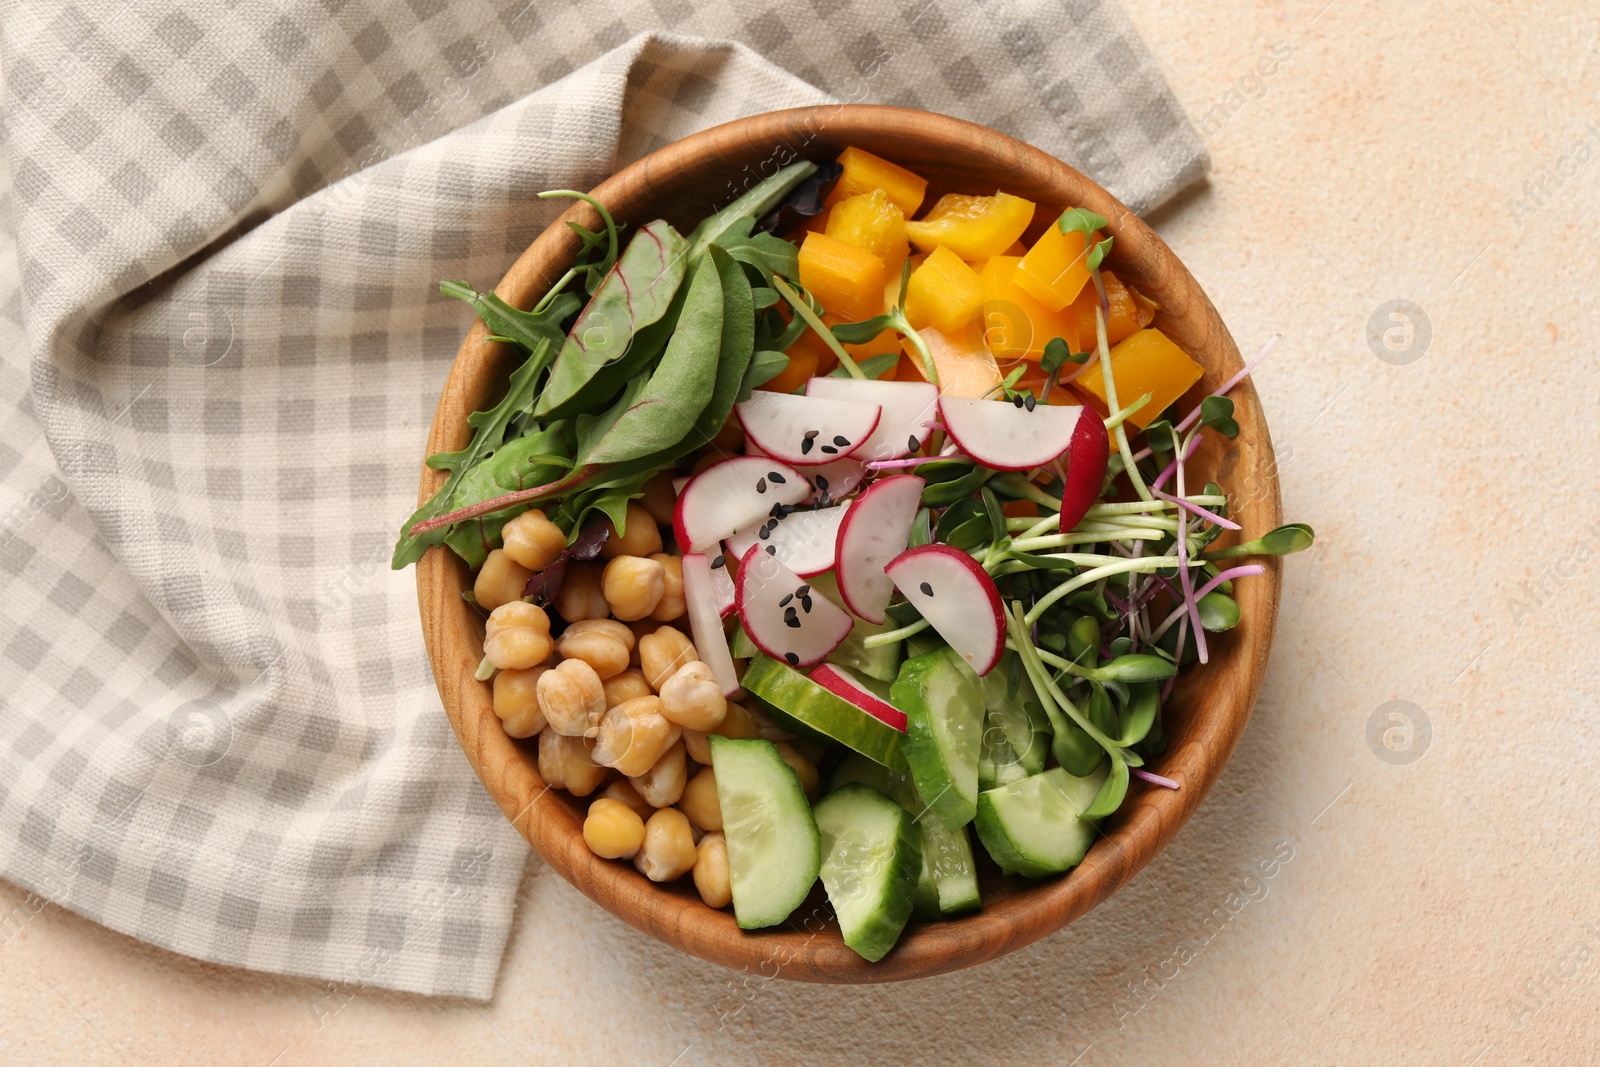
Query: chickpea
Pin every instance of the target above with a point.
(603, 644)
(711, 876)
(623, 790)
(766, 729)
(692, 697)
(580, 597)
(672, 604)
(699, 800)
(662, 653)
(698, 745)
(572, 698)
(613, 830)
(533, 540)
(740, 722)
(730, 438)
(633, 586)
(624, 687)
(663, 783)
(516, 701)
(809, 779)
(643, 536)
(633, 735)
(517, 635)
(567, 763)
(659, 499)
(668, 851)
(500, 580)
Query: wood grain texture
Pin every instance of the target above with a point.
(682, 183)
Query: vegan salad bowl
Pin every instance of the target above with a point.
(849, 547)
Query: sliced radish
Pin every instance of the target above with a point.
(875, 531)
(806, 430)
(1087, 456)
(907, 408)
(723, 565)
(803, 541)
(705, 620)
(841, 683)
(957, 598)
(830, 481)
(731, 494)
(1005, 436)
(782, 615)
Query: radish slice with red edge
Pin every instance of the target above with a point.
(722, 566)
(958, 599)
(806, 430)
(907, 409)
(1087, 457)
(803, 541)
(829, 481)
(874, 531)
(1006, 437)
(731, 494)
(705, 621)
(841, 683)
(783, 616)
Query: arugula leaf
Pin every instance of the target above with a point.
(489, 434)
(659, 415)
(518, 464)
(754, 203)
(804, 201)
(767, 254)
(636, 293)
(765, 365)
(506, 323)
(594, 269)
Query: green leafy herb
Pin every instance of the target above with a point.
(1098, 252)
(767, 253)
(765, 365)
(1216, 413)
(1295, 537)
(1081, 220)
(637, 292)
(872, 366)
(506, 323)
(1160, 436)
(754, 203)
(592, 268)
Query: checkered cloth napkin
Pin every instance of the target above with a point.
(221, 341)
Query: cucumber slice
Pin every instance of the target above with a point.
(881, 662)
(739, 645)
(774, 849)
(871, 853)
(1032, 827)
(1019, 716)
(944, 727)
(998, 762)
(948, 884)
(803, 707)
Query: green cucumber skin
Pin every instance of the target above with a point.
(1004, 815)
(877, 932)
(948, 885)
(775, 684)
(946, 780)
(788, 796)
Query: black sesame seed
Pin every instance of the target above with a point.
(761, 485)
(805, 602)
(785, 601)
(1029, 403)
(794, 660)
(822, 481)
(791, 620)
(805, 447)
(803, 590)
(777, 479)
(810, 434)
(927, 590)
(830, 450)
(764, 533)
(721, 560)
(841, 441)
(912, 444)
(772, 550)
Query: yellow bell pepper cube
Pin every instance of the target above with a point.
(973, 227)
(1015, 325)
(848, 280)
(864, 172)
(1145, 362)
(944, 293)
(1126, 317)
(965, 368)
(1056, 267)
(874, 222)
(802, 367)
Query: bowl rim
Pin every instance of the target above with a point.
(1218, 698)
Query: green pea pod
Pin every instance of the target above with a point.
(1140, 714)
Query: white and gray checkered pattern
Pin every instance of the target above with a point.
(221, 341)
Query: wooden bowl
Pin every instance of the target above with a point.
(682, 183)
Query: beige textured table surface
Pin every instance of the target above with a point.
(1432, 897)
